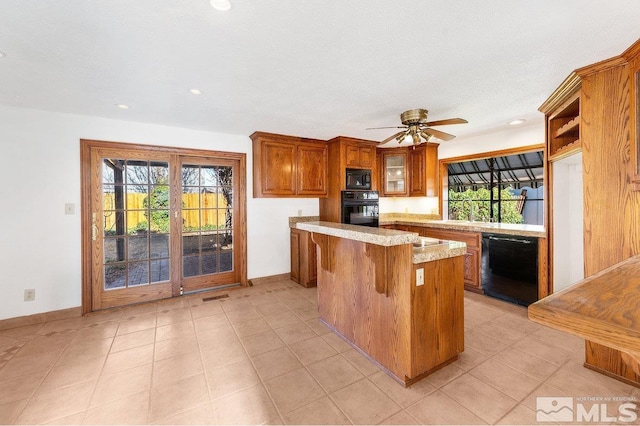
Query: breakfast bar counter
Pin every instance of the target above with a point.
(394, 296)
(604, 309)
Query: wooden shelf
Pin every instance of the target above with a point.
(567, 129)
(564, 128)
(566, 150)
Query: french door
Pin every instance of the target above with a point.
(159, 221)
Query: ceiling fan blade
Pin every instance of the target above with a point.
(438, 134)
(394, 136)
(447, 121)
(390, 127)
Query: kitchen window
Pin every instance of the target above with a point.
(499, 188)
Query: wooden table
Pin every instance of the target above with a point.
(604, 309)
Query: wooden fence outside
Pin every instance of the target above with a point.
(212, 215)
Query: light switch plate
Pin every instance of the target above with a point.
(419, 277)
(69, 208)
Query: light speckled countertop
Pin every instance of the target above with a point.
(294, 220)
(463, 225)
(431, 249)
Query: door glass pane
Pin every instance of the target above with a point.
(159, 270)
(135, 222)
(115, 275)
(226, 252)
(138, 247)
(209, 264)
(191, 266)
(207, 220)
(394, 172)
(159, 246)
(138, 273)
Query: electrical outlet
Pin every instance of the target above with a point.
(419, 277)
(30, 295)
(299, 212)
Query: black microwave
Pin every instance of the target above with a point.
(359, 179)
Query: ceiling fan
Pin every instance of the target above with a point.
(416, 125)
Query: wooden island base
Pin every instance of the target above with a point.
(406, 383)
(367, 294)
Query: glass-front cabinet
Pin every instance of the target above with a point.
(394, 172)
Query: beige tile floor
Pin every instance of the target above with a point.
(261, 357)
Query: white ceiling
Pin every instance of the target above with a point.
(311, 68)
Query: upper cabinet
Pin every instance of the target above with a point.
(423, 170)
(411, 171)
(562, 111)
(288, 166)
(359, 155)
(346, 153)
(394, 172)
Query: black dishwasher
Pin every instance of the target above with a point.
(510, 268)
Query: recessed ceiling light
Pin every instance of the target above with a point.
(516, 122)
(220, 4)
(122, 106)
(196, 91)
(2, 54)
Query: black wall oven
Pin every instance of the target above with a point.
(360, 208)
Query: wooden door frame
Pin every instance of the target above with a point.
(86, 146)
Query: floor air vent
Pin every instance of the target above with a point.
(208, 299)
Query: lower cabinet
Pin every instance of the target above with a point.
(472, 260)
(303, 258)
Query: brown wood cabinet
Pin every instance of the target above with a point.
(360, 155)
(472, 259)
(303, 258)
(423, 170)
(563, 120)
(346, 153)
(608, 133)
(394, 174)
(410, 171)
(289, 166)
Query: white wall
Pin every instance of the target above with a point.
(512, 137)
(568, 240)
(40, 246)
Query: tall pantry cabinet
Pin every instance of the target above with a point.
(595, 111)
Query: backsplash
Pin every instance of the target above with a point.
(418, 205)
(392, 217)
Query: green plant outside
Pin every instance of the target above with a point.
(475, 205)
(158, 203)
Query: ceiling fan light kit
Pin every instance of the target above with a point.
(416, 125)
(222, 5)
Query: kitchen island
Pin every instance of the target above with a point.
(393, 295)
